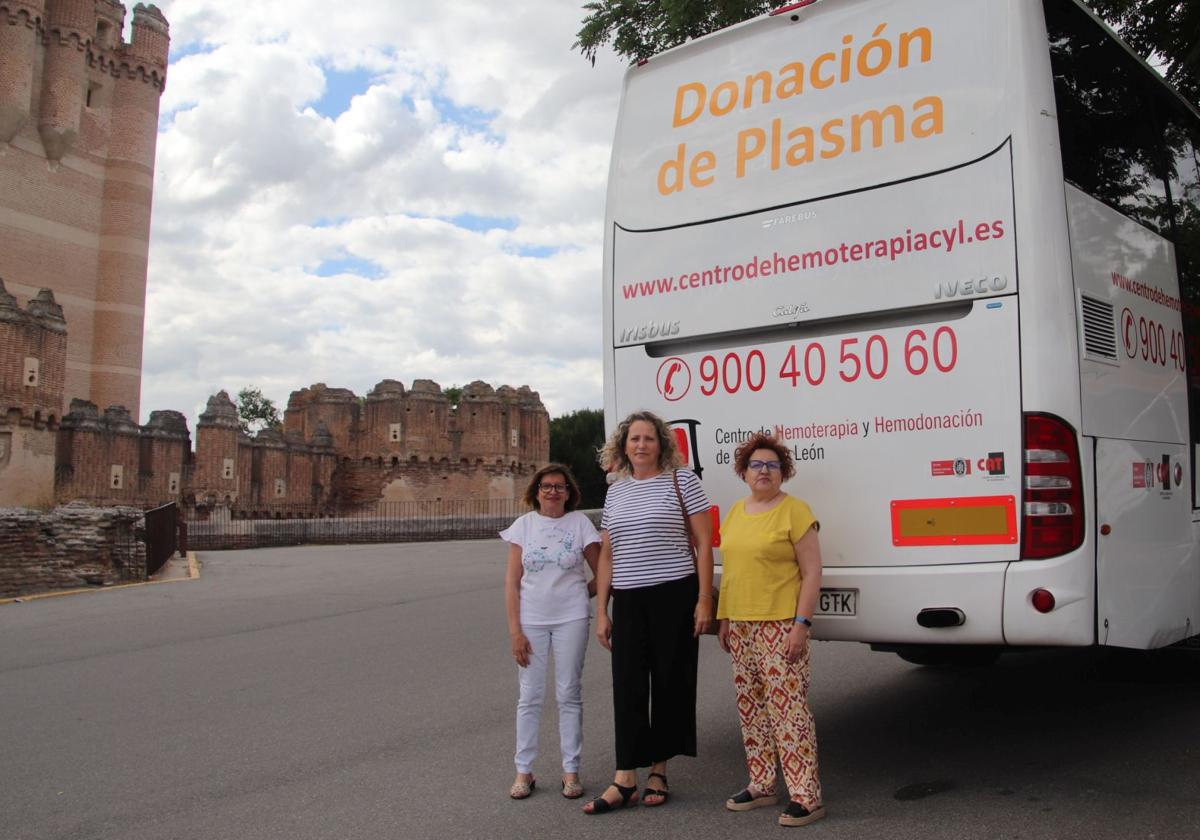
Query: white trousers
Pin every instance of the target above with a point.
(568, 641)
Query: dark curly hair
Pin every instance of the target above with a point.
(741, 458)
(573, 494)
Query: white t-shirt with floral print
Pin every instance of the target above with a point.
(555, 574)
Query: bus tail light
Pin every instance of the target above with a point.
(1053, 493)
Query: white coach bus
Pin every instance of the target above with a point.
(950, 254)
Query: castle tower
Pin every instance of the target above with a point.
(324, 462)
(426, 421)
(535, 427)
(216, 478)
(78, 128)
(165, 452)
(336, 408)
(20, 25)
(479, 421)
(125, 215)
(67, 36)
(33, 353)
(383, 422)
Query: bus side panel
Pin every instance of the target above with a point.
(1049, 355)
(1131, 348)
(1148, 579)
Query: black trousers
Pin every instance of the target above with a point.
(654, 657)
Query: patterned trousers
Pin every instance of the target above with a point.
(772, 698)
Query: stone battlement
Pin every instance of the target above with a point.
(338, 454)
(504, 425)
(33, 355)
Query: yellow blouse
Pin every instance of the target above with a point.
(761, 578)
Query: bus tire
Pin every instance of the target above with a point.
(949, 656)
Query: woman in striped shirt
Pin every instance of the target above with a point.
(662, 603)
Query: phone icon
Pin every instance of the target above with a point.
(674, 379)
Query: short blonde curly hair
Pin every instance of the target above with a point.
(612, 455)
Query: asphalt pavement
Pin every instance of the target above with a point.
(368, 692)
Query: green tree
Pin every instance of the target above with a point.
(575, 440)
(638, 29)
(1166, 30)
(453, 394)
(256, 411)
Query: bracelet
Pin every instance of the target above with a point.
(802, 619)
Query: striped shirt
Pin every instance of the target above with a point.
(646, 530)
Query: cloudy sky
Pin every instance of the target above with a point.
(395, 189)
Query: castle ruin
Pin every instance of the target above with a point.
(336, 452)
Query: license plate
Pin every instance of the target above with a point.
(837, 602)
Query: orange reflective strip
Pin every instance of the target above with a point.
(967, 520)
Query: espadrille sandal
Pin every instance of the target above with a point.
(745, 800)
(522, 790)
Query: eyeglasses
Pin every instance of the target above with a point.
(552, 488)
(771, 466)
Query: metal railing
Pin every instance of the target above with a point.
(161, 536)
(220, 528)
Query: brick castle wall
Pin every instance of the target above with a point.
(402, 444)
(394, 445)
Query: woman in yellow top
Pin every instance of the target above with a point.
(769, 588)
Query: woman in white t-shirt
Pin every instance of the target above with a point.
(546, 591)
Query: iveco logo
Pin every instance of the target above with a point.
(648, 332)
(967, 288)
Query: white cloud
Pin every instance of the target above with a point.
(464, 113)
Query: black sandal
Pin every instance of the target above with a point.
(600, 805)
(745, 800)
(649, 791)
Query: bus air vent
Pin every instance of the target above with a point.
(1099, 330)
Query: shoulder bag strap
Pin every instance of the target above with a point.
(687, 523)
